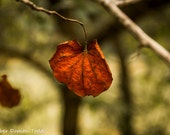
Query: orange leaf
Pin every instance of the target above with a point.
(9, 97)
(84, 72)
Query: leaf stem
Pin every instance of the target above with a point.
(41, 9)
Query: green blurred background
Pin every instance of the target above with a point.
(137, 103)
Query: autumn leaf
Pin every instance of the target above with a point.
(9, 97)
(85, 72)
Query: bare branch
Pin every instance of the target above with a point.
(125, 2)
(41, 9)
(136, 31)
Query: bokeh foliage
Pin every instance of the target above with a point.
(28, 40)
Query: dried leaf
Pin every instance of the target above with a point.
(9, 97)
(84, 72)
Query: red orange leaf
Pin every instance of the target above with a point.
(84, 72)
(9, 97)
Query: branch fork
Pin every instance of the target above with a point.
(135, 30)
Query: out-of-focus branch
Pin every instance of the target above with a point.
(25, 56)
(41, 9)
(136, 31)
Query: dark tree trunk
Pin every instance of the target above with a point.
(70, 116)
(125, 121)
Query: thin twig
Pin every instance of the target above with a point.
(41, 9)
(136, 31)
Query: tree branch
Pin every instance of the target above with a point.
(125, 2)
(136, 31)
(41, 9)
